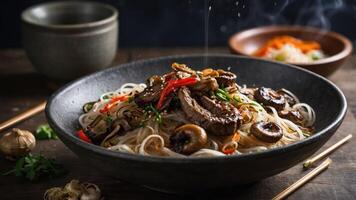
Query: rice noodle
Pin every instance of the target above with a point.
(152, 139)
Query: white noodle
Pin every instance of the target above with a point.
(152, 139)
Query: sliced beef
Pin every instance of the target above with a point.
(152, 93)
(219, 108)
(218, 124)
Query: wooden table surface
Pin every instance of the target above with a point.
(21, 88)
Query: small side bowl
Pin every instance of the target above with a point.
(335, 46)
(65, 40)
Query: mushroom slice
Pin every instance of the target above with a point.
(188, 139)
(55, 193)
(225, 78)
(266, 131)
(205, 85)
(269, 97)
(97, 130)
(293, 115)
(111, 139)
(290, 98)
(74, 187)
(182, 68)
(123, 123)
(90, 192)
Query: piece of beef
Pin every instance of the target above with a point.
(217, 124)
(151, 94)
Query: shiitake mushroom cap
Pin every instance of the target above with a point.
(266, 131)
(188, 139)
(269, 97)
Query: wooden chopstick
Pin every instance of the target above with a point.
(285, 193)
(307, 164)
(23, 116)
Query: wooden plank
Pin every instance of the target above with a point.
(345, 78)
(28, 89)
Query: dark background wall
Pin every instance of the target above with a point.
(181, 22)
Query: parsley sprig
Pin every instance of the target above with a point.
(35, 167)
(44, 132)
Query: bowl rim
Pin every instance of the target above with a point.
(345, 52)
(156, 159)
(113, 16)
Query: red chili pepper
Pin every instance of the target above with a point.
(82, 136)
(112, 103)
(228, 151)
(173, 85)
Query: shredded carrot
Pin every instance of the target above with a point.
(280, 41)
(236, 137)
(112, 102)
(231, 149)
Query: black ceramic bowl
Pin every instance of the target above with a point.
(193, 174)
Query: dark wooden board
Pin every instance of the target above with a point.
(22, 88)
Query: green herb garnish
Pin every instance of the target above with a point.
(88, 106)
(108, 119)
(280, 57)
(44, 132)
(315, 56)
(155, 111)
(237, 99)
(221, 97)
(35, 167)
(222, 94)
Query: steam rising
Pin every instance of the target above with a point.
(244, 14)
(312, 13)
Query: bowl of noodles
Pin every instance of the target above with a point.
(174, 123)
(317, 50)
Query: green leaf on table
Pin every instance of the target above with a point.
(35, 167)
(44, 132)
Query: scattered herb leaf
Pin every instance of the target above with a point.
(44, 132)
(35, 167)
